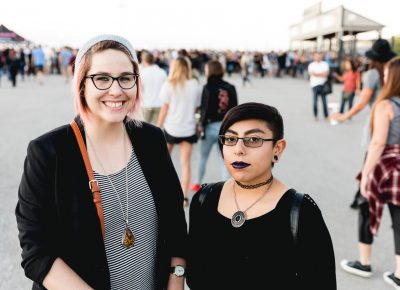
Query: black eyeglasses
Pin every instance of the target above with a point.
(251, 142)
(104, 82)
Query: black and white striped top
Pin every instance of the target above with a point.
(132, 268)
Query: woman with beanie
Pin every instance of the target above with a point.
(131, 233)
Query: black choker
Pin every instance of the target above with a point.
(253, 186)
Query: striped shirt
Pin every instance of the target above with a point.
(132, 268)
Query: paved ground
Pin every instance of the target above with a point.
(320, 159)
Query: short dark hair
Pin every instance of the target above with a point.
(147, 56)
(215, 69)
(258, 111)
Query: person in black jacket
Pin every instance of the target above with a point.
(143, 245)
(217, 98)
(240, 233)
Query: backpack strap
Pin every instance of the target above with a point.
(207, 188)
(294, 215)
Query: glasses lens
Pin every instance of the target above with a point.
(252, 141)
(229, 140)
(102, 82)
(127, 81)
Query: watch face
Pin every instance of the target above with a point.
(179, 271)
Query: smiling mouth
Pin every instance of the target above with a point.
(114, 105)
(239, 165)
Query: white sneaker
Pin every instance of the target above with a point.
(356, 268)
(391, 280)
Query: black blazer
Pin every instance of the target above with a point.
(56, 216)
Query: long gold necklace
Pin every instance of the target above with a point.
(239, 217)
(128, 238)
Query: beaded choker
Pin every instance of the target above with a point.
(253, 186)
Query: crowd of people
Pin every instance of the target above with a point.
(133, 108)
(40, 60)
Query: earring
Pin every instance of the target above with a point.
(275, 157)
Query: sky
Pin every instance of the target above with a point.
(157, 24)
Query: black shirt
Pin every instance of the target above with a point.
(260, 254)
(217, 98)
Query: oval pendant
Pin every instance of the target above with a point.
(127, 238)
(238, 219)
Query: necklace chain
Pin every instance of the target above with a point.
(257, 200)
(124, 216)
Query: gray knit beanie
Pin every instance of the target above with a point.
(82, 51)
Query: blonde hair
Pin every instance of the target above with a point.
(78, 85)
(181, 71)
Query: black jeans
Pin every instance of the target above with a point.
(317, 91)
(364, 233)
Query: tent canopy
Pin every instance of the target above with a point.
(328, 24)
(7, 35)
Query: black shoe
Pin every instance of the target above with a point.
(391, 280)
(354, 204)
(356, 268)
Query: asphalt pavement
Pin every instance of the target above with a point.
(321, 160)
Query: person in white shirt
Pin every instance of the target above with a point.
(181, 96)
(318, 71)
(153, 77)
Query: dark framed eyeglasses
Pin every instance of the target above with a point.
(104, 81)
(251, 142)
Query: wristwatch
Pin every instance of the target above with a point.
(178, 271)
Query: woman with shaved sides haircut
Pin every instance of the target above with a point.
(100, 204)
(253, 231)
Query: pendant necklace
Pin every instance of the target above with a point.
(128, 238)
(239, 217)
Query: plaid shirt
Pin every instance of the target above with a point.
(383, 185)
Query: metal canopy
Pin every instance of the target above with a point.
(330, 24)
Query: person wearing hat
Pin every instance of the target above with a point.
(380, 178)
(134, 237)
(372, 80)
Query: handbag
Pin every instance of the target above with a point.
(93, 184)
(327, 87)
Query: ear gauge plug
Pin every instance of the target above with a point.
(276, 157)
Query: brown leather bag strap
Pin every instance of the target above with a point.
(93, 184)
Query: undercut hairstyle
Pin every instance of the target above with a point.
(79, 80)
(249, 111)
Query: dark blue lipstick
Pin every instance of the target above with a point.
(239, 165)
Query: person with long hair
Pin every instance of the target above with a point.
(241, 230)
(181, 97)
(380, 178)
(351, 82)
(106, 214)
(372, 80)
(217, 98)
